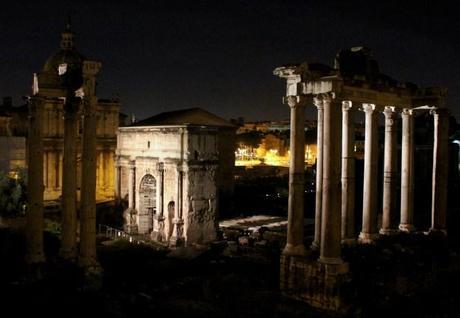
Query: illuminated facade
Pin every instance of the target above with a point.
(108, 112)
(175, 171)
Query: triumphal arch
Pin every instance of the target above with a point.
(354, 84)
(173, 169)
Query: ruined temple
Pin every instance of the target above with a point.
(355, 83)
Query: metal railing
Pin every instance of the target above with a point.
(114, 233)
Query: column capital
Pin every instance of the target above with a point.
(160, 166)
(294, 101)
(407, 112)
(346, 105)
(368, 108)
(132, 164)
(389, 112)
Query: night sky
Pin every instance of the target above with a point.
(219, 55)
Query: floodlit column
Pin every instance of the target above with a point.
(177, 234)
(407, 173)
(294, 245)
(331, 207)
(117, 179)
(131, 183)
(35, 187)
(319, 172)
(369, 230)
(440, 170)
(69, 187)
(390, 216)
(158, 219)
(348, 173)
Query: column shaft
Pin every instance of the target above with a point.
(390, 216)
(348, 173)
(319, 173)
(407, 173)
(369, 230)
(35, 187)
(87, 256)
(331, 206)
(294, 245)
(69, 187)
(440, 170)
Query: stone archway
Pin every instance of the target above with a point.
(147, 203)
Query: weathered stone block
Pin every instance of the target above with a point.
(320, 285)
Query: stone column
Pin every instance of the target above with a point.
(319, 173)
(117, 189)
(87, 256)
(440, 170)
(348, 173)
(407, 173)
(158, 220)
(331, 207)
(294, 245)
(369, 230)
(177, 234)
(390, 216)
(69, 188)
(35, 187)
(130, 213)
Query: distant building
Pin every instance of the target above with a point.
(15, 122)
(175, 170)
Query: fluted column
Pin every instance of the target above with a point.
(407, 173)
(69, 186)
(348, 173)
(294, 245)
(369, 230)
(35, 187)
(440, 170)
(331, 207)
(319, 172)
(390, 215)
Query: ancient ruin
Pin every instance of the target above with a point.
(353, 84)
(67, 87)
(173, 168)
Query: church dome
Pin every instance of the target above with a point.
(67, 55)
(63, 57)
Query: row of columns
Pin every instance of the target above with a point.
(87, 251)
(335, 179)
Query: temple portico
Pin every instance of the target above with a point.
(337, 93)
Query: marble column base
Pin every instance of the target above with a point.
(294, 250)
(367, 238)
(407, 228)
(315, 246)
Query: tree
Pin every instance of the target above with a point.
(13, 195)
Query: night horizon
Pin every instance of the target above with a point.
(220, 56)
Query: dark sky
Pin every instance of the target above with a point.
(219, 55)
